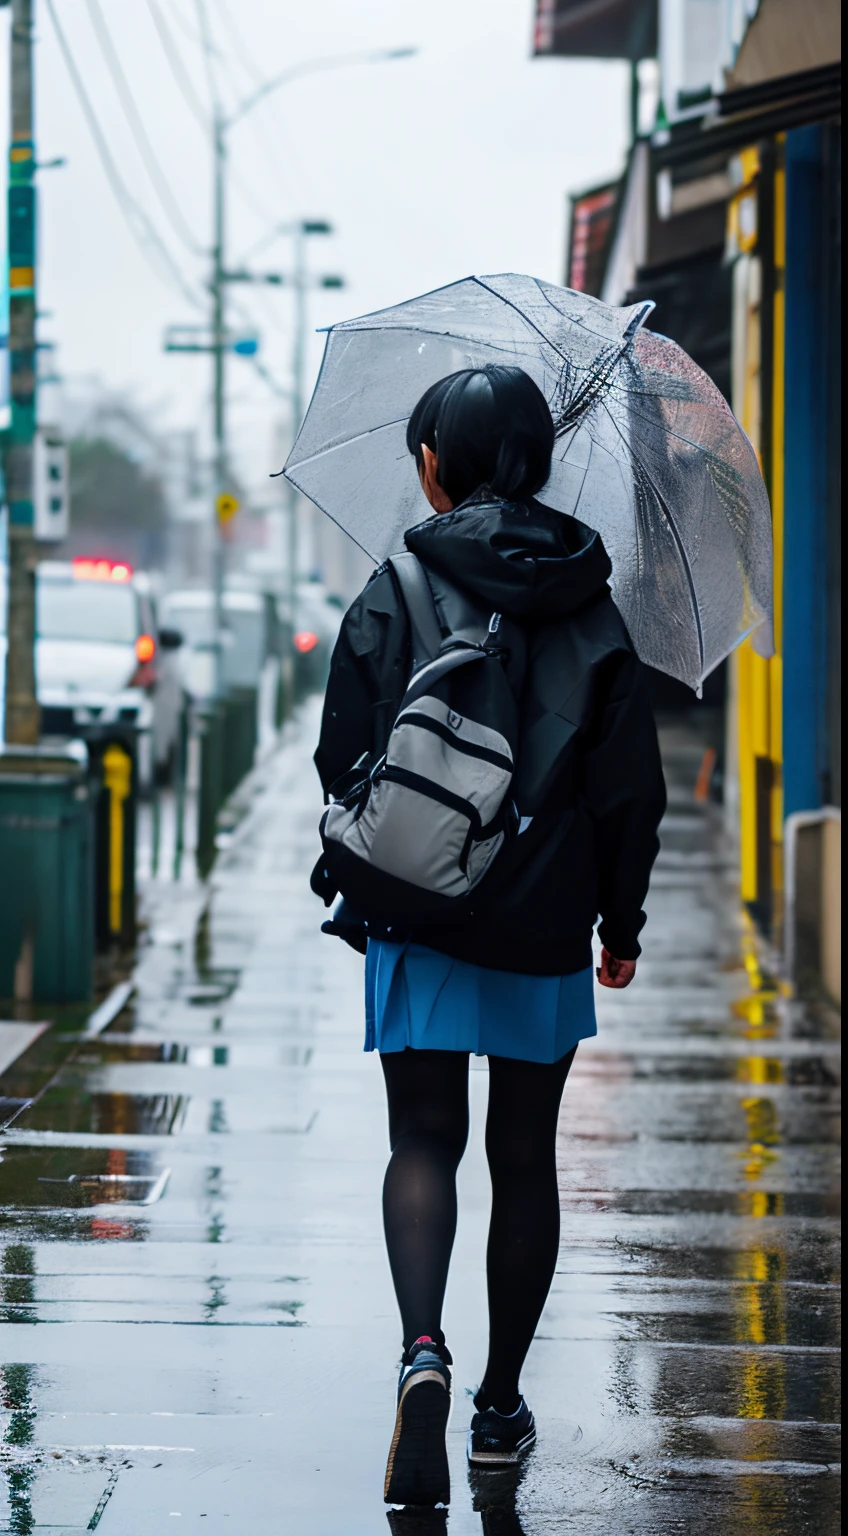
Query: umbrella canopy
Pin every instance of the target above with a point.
(647, 451)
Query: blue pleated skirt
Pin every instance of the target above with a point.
(416, 997)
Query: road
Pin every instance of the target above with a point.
(198, 1328)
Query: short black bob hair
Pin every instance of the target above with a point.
(490, 428)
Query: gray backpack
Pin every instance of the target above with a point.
(412, 836)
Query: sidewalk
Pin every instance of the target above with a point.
(198, 1324)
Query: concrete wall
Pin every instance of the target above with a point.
(831, 901)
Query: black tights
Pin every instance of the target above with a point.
(428, 1130)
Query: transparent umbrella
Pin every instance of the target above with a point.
(647, 451)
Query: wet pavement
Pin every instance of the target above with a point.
(198, 1328)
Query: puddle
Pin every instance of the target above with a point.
(10, 1109)
(206, 994)
(760, 1314)
(69, 1108)
(693, 1316)
(802, 1256)
(74, 1178)
(676, 1202)
(734, 1383)
(795, 1072)
(228, 1052)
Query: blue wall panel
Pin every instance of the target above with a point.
(805, 477)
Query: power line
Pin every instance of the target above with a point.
(269, 238)
(239, 49)
(203, 38)
(178, 69)
(276, 388)
(142, 229)
(210, 53)
(273, 160)
(136, 123)
(188, 32)
(192, 100)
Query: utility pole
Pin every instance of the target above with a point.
(21, 723)
(301, 283)
(298, 385)
(218, 341)
(220, 398)
(217, 344)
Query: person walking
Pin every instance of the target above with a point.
(512, 978)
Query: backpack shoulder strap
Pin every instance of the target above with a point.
(420, 606)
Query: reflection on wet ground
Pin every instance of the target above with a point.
(191, 1203)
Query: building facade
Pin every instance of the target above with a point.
(728, 215)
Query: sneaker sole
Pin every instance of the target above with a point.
(417, 1469)
(501, 1458)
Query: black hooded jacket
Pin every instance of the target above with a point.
(589, 771)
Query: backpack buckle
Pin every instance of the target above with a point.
(489, 643)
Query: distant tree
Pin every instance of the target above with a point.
(110, 491)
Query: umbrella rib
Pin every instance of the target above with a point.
(690, 580)
(345, 443)
(426, 330)
(574, 320)
(680, 437)
(589, 391)
(596, 380)
(752, 628)
(672, 526)
(634, 325)
(525, 317)
(571, 320)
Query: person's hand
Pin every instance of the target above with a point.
(615, 973)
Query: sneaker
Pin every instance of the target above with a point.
(498, 1439)
(417, 1469)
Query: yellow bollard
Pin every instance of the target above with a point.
(117, 776)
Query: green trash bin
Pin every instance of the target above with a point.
(208, 723)
(46, 874)
(238, 737)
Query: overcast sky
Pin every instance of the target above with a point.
(455, 161)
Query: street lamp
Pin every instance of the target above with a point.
(219, 343)
(314, 67)
(299, 280)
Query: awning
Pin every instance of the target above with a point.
(787, 74)
(598, 29)
(758, 111)
(785, 39)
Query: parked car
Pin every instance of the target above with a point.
(101, 657)
(252, 648)
(317, 621)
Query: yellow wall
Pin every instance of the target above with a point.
(759, 682)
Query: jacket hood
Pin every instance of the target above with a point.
(520, 559)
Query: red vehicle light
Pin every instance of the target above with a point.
(145, 648)
(305, 641)
(100, 570)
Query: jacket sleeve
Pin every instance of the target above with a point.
(366, 682)
(625, 791)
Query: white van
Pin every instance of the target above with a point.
(251, 648)
(100, 656)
